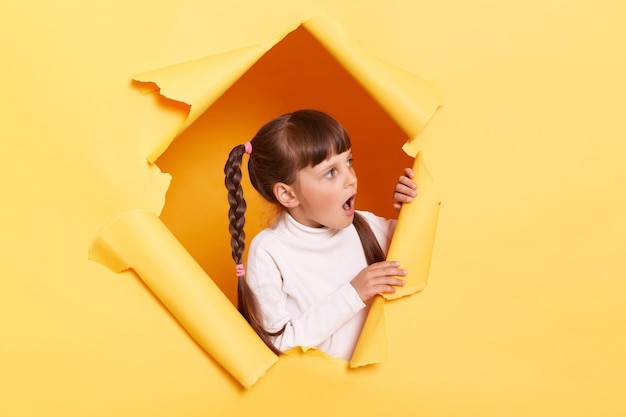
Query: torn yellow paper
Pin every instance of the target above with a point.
(138, 240)
(200, 82)
(414, 238)
(409, 100)
(412, 245)
(524, 311)
(372, 344)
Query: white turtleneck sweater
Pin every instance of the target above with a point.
(301, 277)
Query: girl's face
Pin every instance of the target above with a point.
(326, 193)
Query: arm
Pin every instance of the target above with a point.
(319, 317)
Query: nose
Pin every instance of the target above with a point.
(351, 179)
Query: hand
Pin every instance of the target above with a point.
(378, 278)
(405, 190)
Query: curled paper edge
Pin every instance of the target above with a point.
(138, 240)
(372, 344)
(414, 239)
(408, 99)
(414, 235)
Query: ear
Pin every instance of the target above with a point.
(285, 195)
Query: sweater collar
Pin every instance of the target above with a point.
(299, 231)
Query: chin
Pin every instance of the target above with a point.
(347, 222)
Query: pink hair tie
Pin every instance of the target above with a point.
(241, 271)
(248, 147)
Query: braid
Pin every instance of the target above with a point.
(371, 247)
(246, 300)
(238, 206)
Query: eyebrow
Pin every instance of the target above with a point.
(323, 166)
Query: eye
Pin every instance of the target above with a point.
(349, 162)
(330, 173)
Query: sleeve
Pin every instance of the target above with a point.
(312, 326)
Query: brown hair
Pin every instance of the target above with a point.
(280, 149)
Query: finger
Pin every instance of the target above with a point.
(409, 190)
(406, 188)
(386, 264)
(386, 275)
(407, 182)
(399, 197)
(390, 286)
(387, 289)
(384, 269)
(396, 282)
(409, 172)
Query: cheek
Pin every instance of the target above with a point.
(315, 200)
(329, 197)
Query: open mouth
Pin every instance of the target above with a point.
(349, 204)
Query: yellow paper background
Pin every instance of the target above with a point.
(523, 314)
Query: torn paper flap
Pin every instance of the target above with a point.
(138, 240)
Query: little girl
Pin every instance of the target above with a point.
(312, 274)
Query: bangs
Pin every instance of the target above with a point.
(317, 137)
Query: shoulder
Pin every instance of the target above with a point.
(376, 221)
(265, 238)
(263, 256)
(271, 241)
